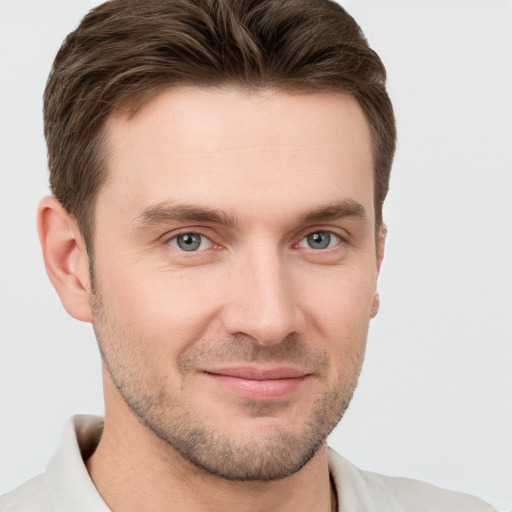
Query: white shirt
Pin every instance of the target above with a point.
(67, 487)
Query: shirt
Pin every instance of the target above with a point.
(67, 487)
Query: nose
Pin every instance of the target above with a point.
(262, 303)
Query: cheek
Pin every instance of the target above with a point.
(164, 307)
(339, 301)
(338, 316)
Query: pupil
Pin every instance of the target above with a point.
(189, 241)
(319, 240)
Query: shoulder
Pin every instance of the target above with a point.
(424, 497)
(66, 484)
(372, 491)
(32, 496)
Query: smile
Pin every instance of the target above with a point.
(258, 383)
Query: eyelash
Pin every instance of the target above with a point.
(175, 239)
(338, 239)
(324, 233)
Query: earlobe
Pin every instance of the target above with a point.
(65, 257)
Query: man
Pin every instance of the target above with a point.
(218, 171)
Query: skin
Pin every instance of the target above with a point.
(258, 175)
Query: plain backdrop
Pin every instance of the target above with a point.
(435, 396)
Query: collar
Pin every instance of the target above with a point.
(71, 488)
(67, 479)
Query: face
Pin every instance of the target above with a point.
(235, 272)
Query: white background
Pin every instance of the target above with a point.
(435, 396)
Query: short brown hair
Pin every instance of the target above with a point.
(124, 52)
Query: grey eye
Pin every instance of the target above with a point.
(319, 240)
(189, 241)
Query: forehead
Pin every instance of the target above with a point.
(226, 146)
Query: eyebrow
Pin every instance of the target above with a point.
(162, 213)
(332, 211)
(165, 212)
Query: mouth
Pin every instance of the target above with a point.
(258, 383)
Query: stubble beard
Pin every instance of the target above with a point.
(276, 455)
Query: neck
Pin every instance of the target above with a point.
(134, 470)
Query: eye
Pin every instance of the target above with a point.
(190, 242)
(320, 240)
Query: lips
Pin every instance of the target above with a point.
(258, 382)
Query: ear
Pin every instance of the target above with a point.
(65, 257)
(381, 242)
